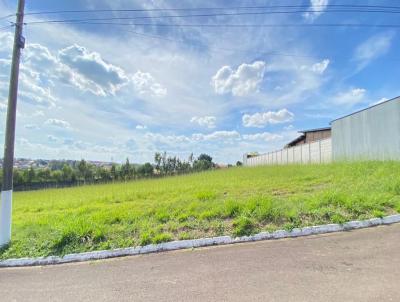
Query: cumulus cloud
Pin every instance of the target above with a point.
(317, 8)
(374, 47)
(32, 91)
(105, 77)
(204, 121)
(145, 84)
(261, 119)
(264, 136)
(217, 135)
(221, 137)
(77, 66)
(166, 139)
(350, 98)
(245, 80)
(58, 123)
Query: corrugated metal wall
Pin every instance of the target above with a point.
(373, 133)
(316, 152)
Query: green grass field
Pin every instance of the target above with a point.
(237, 201)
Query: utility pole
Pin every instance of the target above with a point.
(8, 161)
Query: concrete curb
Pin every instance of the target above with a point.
(203, 242)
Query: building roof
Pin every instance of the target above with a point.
(372, 106)
(315, 130)
(296, 140)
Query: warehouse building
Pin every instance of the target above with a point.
(370, 134)
(310, 136)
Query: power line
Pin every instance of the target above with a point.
(272, 53)
(213, 8)
(6, 17)
(309, 25)
(208, 15)
(4, 28)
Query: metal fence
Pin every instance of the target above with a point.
(315, 152)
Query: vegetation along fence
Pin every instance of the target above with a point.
(315, 152)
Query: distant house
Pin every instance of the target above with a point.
(309, 136)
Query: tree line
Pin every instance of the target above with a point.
(71, 173)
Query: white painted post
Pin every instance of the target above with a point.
(320, 153)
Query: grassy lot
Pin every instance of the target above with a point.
(237, 201)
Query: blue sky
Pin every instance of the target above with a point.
(104, 92)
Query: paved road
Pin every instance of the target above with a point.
(362, 265)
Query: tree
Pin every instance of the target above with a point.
(157, 160)
(146, 170)
(31, 175)
(126, 170)
(203, 162)
(66, 173)
(82, 167)
(239, 163)
(113, 172)
(205, 157)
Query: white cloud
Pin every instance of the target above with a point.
(245, 80)
(217, 135)
(317, 68)
(77, 66)
(265, 136)
(32, 91)
(204, 121)
(106, 77)
(141, 127)
(320, 67)
(145, 84)
(317, 8)
(373, 47)
(58, 123)
(166, 139)
(350, 98)
(261, 119)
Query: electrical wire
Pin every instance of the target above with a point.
(272, 53)
(204, 15)
(213, 8)
(4, 28)
(309, 25)
(6, 17)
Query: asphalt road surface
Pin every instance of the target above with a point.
(362, 265)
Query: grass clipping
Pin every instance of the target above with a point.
(236, 201)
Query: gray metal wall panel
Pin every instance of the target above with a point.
(373, 133)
